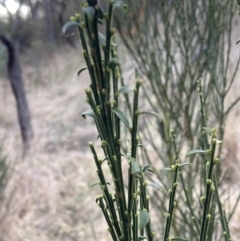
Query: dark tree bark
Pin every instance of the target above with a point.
(49, 22)
(15, 76)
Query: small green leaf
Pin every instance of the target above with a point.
(81, 70)
(121, 116)
(100, 13)
(124, 90)
(166, 169)
(68, 25)
(144, 218)
(88, 113)
(141, 237)
(186, 164)
(179, 239)
(192, 152)
(113, 63)
(157, 185)
(151, 113)
(105, 159)
(90, 12)
(149, 168)
(100, 21)
(135, 167)
(102, 39)
(140, 145)
(97, 183)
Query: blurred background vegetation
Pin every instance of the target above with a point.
(36, 26)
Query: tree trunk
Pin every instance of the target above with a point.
(15, 76)
(49, 22)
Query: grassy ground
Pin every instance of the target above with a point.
(49, 196)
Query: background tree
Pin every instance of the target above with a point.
(17, 84)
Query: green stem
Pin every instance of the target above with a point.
(172, 191)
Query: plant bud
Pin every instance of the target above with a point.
(208, 152)
(216, 160)
(138, 112)
(117, 75)
(209, 181)
(153, 234)
(82, 25)
(115, 54)
(175, 184)
(140, 82)
(90, 144)
(98, 110)
(119, 142)
(138, 192)
(112, 31)
(84, 52)
(77, 15)
(88, 91)
(104, 144)
(208, 216)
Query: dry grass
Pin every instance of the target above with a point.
(49, 192)
(49, 196)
